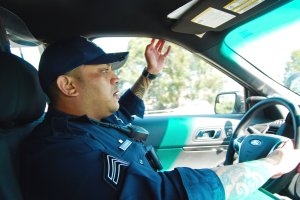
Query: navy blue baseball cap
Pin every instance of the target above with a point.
(68, 54)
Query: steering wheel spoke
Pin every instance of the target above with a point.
(237, 143)
(253, 130)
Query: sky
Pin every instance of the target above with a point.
(274, 51)
(113, 44)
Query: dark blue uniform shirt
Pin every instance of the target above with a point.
(73, 158)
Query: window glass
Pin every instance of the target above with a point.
(271, 44)
(187, 85)
(31, 54)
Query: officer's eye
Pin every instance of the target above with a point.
(105, 71)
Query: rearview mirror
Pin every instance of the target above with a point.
(229, 103)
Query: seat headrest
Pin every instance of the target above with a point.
(21, 97)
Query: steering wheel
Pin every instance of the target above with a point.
(257, 145)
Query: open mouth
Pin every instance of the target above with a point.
(116, 94)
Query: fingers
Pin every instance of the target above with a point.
(162, 43)
(151, 44)
(167, 52)
(159, 46)
(293, 159)
(287, 144)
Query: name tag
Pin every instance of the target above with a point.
(124, 146)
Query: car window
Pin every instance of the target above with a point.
(272, 42)
(31, 54)
(188, 84)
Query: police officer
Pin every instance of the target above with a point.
(86, 147)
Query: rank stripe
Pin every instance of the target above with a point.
(114, 168)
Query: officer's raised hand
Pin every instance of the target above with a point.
(155, 57)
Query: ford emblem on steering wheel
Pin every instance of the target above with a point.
(255, 142)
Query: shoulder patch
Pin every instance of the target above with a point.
(114, 170)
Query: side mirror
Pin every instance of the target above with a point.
(229, 103)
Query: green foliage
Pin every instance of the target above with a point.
(185, 78)
(293, 66)
(225, 107)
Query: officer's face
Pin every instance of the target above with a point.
(98, 90)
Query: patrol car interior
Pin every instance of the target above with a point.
(23, 104)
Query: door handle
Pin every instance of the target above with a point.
(208, 134)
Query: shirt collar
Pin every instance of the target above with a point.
(52, 112)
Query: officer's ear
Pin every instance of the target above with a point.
(66, 84)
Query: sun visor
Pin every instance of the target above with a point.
(201, 16)
(16, 29)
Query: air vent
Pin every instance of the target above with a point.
(272, 130)
(274, 126)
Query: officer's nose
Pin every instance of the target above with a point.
(115, 79)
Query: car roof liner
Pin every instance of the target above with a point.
(202, 16)
(16, 29)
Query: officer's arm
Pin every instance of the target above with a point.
(141, 86)
(155, 62)
(242, 179)
(131, 103)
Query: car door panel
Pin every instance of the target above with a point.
(191, 141)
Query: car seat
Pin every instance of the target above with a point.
(22, 104)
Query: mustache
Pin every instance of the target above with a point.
(116, 88)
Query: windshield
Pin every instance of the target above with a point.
(272, 44)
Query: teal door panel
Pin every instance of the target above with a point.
(190, 141)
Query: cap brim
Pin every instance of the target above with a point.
(116, 59)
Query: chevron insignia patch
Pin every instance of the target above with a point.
(114, 170)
